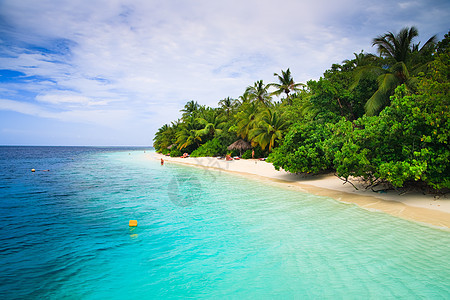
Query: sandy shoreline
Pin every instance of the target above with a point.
(411, 206)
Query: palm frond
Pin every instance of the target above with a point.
(374, 104)
(387, 83)
(412, 84)
(366, 72)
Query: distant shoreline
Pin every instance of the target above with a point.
(411, 206)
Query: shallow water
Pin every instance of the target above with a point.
(201, 234)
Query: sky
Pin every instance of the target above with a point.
(111, 72)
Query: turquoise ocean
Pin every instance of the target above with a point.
(202, 234)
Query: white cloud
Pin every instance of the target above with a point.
(142, 60)
(408, 4)
(70, 98)
(109, 118)
(24, 108)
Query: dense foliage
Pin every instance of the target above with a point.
(212, 147)
(303, 149)
(381, 118)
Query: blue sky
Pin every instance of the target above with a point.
(112, 72)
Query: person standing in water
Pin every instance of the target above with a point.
(162, 162)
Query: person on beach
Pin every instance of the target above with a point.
(162, 162)
(253, 153)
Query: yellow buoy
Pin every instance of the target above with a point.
(133, 223)
(33, 170)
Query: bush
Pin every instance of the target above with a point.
(406, 143)
(247, 154)
(211, 148)
(303, 149)
(258, 153)
(351, 148)
(175, 152)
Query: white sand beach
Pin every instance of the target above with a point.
(412, 206)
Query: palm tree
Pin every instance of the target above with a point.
(190, 109)
(258, 92)
(212, 124)
(361, 59)
(165, 136)
(269, 129)
(403, 60)
(245, 119)
(388, 81)
(399, 47)
(187, 134)
(286, 84)
(227, 105)
(159, 138)
(245, 98)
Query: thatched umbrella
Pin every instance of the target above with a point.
(240, 145)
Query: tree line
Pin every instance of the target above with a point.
(383, 118)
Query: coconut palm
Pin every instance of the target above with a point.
(361, 59)
(212, 124)
(159, 140)
(403, 60)
(258, 92)
(245, 119)
(286, 84)
(165, 136)
(387, 82)
(227, 105)
(399, 47)
(269, 129)
(190, 109)
(187, 133)
(245, 98)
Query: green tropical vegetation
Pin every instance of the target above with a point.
(383, 118)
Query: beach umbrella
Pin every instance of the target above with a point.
(240, 145)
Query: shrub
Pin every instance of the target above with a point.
(210, 148)
(407, 142)
(247, 154)
(175, 152)
(303, 149)
(258, 153)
